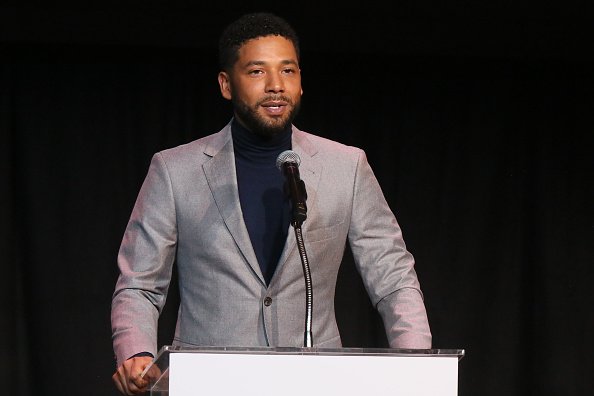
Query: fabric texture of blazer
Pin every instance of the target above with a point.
(188, 214)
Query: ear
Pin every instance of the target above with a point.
(225, 85)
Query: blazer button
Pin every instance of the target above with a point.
(267, 301)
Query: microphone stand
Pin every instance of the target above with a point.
(288, 162)
(308, 339)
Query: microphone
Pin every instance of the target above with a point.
(288, 163)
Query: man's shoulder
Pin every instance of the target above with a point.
(326, 146)
(196, 148)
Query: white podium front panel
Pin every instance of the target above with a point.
(192, 374)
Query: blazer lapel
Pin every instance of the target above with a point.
(310, 171)
(222, 180)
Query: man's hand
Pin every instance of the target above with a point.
(127, 377)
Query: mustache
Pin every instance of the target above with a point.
(272, 98)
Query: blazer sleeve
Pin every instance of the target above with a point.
(145, 261)
(385, 264)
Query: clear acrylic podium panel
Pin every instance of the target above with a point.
(183, 371)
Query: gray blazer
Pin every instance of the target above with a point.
(188, 212)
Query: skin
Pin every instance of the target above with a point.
(264, 86)
(127, 377)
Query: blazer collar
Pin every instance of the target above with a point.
(222, 180)
(310, 171)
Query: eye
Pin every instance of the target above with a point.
(255, 72)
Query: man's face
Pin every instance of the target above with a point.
(264, 85)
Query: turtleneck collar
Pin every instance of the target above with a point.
(256, 148)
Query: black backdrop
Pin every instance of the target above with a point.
(476, 119)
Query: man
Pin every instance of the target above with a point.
(216, 207)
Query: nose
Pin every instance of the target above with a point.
(274, 83)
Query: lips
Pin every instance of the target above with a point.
(274, 103)
(274, 107)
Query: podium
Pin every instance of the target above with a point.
(182, 371)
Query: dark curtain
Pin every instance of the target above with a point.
(486, 161)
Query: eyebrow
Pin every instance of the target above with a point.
(260, 63)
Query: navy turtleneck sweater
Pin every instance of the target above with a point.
(265, 207)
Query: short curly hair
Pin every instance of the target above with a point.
(248, 27)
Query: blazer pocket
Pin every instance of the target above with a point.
(334, 342)
(322, 234)
(178, 342)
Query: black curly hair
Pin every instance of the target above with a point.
(248, 27)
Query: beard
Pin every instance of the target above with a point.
(265, 127)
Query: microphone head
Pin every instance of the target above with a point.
(287, 156)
